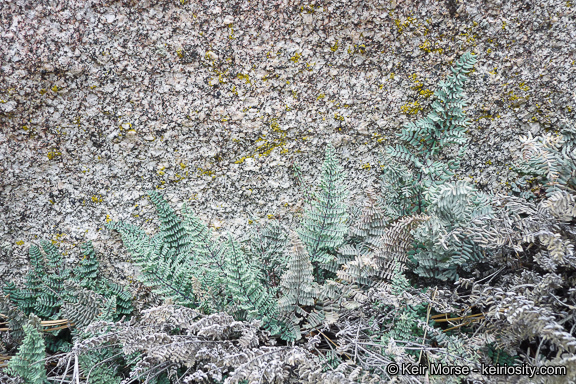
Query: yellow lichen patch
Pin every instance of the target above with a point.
(334, 48)
(426, 93)
(55, 88)
(308, 9)
(523, 86)
(19, 242)
(42, 91)
(268, 146)
(241, 160)
(411, 108)
(96, 199)
(366, 166)
(379, 138)
(58, 238)
(429, 48)
(203, 172)
(403, 25)
(295, 58)
(338, 117)
(53, 154)
(108, 219)
(243, 77)
(320, 96)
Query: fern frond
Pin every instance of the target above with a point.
(245, 288)
(324, 224)
(297, 286)
(29, 361)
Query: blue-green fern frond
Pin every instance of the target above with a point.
(325, 221)
(244, 286)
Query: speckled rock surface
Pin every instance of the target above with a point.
(212, 102)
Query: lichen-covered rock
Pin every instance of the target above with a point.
(103, 100)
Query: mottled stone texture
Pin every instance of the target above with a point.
(213, 101)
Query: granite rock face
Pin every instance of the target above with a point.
(213, 102)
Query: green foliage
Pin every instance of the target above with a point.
(50, 285)
(29, 361)
(405, 325)
(325, 222)
(298, 289)
(164, 266)
(440, 253)
(549, 161)
(244, 286)
(499, 356)
(51, 299)
(414, 165)
(92, 363)
(87, 271)
(53, 291)
(28, 297)
(267, 244)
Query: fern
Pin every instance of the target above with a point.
(34, 285)
(267, 246)
(550, 161)
(371, 223)
(163, 267)
(324, 224)
(86, 273)
(209, 255)
(49, 299)
(298, 288)
(29, 361)
(405, 327)
(245, 288)
(415, 165)
(440, 252)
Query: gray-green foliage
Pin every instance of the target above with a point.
(298, 289)
(164, 258)
(185, 263)
(405, 325)
(416, 163)
(442, 249)
(417, 180)
(548, 160)
(325, 221)
(243, 283)
(266, 246)
(50, 285)
(29, 361)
